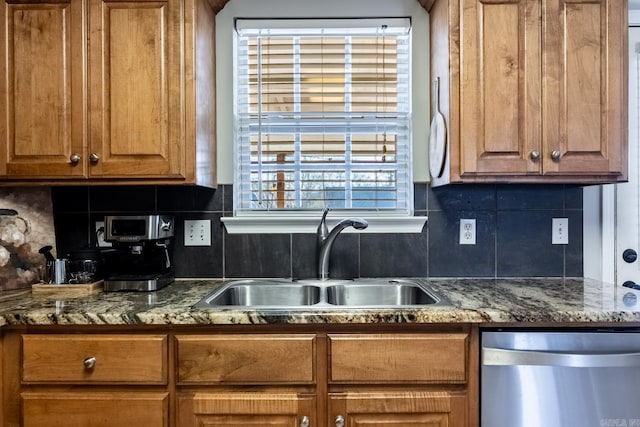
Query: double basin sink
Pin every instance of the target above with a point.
(282, 294)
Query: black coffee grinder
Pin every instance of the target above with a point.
(141, 260)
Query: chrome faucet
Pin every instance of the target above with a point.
(326, 239)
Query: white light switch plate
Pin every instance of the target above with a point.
(197, 232)
(560, 231)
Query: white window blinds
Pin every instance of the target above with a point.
(322, 115)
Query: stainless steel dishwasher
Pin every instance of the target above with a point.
(560, 379)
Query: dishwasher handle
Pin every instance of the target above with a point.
(507, 357)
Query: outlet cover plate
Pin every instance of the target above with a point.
(467, 231)
(197, 232)
(560, 231)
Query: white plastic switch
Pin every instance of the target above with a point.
(197, 232)
(468, 231)
(560, 231)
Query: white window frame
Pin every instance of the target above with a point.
(306, 222)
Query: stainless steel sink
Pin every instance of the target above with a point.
(393, 293)
(262, 293)
(282, 294)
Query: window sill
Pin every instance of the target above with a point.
(295, 224)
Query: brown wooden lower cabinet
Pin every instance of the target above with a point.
(269, 377)
(56, 377)
(398, 379)
(104, 409)
(357, 409)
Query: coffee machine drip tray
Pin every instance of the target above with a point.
(137, 282)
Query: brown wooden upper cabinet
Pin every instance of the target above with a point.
(532, 90)
(99, 90)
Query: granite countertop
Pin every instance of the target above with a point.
(473, 300)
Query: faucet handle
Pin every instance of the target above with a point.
(324, 214)
(323, 230)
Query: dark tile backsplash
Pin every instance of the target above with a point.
(448, 258)
(513, 224)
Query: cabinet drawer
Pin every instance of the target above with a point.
(117, 359)
(246, 359)
(95, 409)
(390, 358)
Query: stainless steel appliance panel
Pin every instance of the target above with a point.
(559, 379)
(141, 257)
(136, 228)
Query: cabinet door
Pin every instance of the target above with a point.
(500, 118)
(105, 409)
(137, 119)
(246, 409)
(418, 409)
(585, 87)
(43, 89)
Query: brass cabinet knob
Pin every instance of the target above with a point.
(555, 155)
(74, 158)
(339, 421)
(89, 363)
(304, 422)
(94, 157)
(535, 155)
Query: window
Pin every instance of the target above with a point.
(323, 115)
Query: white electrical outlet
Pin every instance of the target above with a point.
(560, 231)
(468, 231)
(100, 242)
(197, 232)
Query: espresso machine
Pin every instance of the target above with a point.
(141, 259)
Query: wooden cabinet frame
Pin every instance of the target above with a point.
(231, 396)
(532, 91)
(134, 106)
